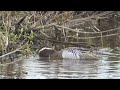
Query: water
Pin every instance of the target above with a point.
(108, 67)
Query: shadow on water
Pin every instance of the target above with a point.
(34, 68)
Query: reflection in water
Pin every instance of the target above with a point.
(34, 68)
(12, 71)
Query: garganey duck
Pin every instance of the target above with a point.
(68, 53)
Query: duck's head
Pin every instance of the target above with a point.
(46, 52)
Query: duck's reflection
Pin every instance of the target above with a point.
(70, 68)
(83, 68)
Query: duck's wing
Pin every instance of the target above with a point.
(72, 53)
(76, 50)
(83, 49)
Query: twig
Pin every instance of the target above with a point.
(93, 16)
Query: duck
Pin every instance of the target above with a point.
(68, 53)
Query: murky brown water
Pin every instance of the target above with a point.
(33, 68)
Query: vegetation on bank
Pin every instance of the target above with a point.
(25, 32)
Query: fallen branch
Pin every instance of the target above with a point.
(50, 39)
(94, 37)
(79, 30)
(18, 49)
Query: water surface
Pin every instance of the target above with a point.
(108, 67)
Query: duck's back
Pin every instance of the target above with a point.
(77, 53)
